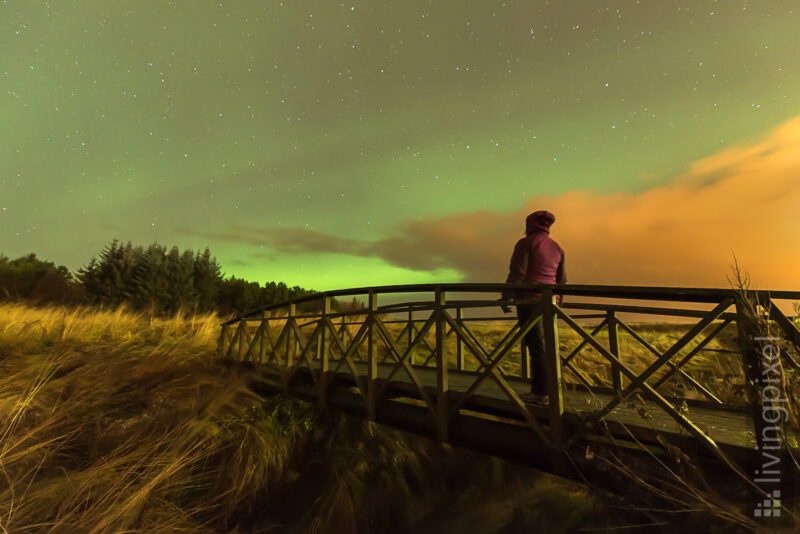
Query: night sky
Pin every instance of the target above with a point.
(333, 145)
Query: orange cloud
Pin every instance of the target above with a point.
(743, 200)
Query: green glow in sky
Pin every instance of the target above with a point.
(177, 121)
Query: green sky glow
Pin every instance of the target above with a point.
(176, 121)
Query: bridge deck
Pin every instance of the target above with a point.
(724, 425)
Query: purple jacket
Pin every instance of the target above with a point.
(537, 259)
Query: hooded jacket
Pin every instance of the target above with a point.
(537, 258)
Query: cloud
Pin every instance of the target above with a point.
(744, 200)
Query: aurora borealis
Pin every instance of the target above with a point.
(332, 145)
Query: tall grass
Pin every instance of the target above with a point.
(115, 421)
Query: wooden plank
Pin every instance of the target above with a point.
(642, 292)
(264, 332)
(414, 344)
(493, 358)
(268, 336)
(291, 342)
(613, 348)
(275, 352)
(692, 352)
(323, 350)
(372, 356)
(431, 350)
(410, 330)
(388, 354)
(304, 349)
(510, 335)
(221, 341)
(352, 348)
(504, 386)
(555, 384)
(348, 351)
(645, 310)
(459, 343)
(580, 375)
(709, 295)
(734, 428)
(673, 367)
(583, 342)
(245, 340)
(640, 382)
(344, 331)
(402, 360)
(442, 385)
(232, 344)
(258, 337)
(524, 359)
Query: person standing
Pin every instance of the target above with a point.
(537, 259)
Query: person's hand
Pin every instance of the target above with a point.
(505, 307)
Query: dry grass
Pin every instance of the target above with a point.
(113, 421)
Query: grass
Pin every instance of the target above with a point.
(104, 417)
(114, 421)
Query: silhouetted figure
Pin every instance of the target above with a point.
(537, 259)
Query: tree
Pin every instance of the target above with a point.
(207, 280)
(109, 279)
(153, 278)
(150, 286)
(30, 278)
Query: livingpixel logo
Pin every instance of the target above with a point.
(773, 413)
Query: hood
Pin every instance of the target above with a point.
(539, 221)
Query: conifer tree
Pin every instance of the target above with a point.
(207, 280)
(109, 279)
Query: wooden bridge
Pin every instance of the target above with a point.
(441, 360)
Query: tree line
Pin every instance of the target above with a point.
(152, 278)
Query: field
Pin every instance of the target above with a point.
(113, 421)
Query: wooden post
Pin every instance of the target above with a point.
(442, 386)
(291, 342)
(264, 333)
(613, 348)
(525, 361)
(372, 356)
(221, 344)
(323, 350)
(459, 342)
(553, 366)
(242, 341)
(260, 332)
(410, 333)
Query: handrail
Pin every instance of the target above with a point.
(666, 293)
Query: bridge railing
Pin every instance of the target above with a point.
(592, 345)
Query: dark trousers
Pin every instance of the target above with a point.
(534, 341)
